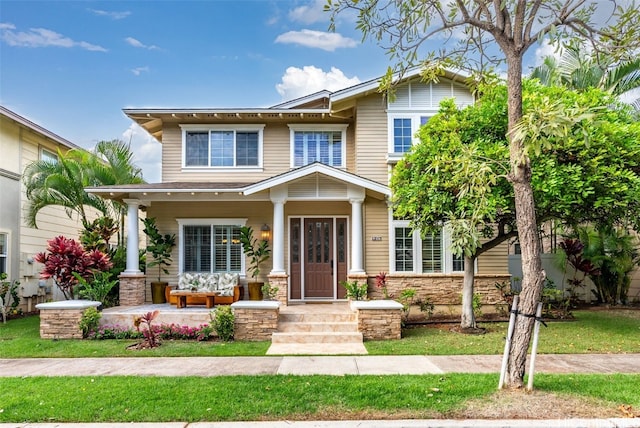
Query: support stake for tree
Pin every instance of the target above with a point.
(507, 345)
(534, 346)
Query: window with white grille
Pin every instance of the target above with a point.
(222, 146)
(211, 246)
(433, 254)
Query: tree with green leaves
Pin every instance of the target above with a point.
(62, 183)
(576, 69)
(479, 27)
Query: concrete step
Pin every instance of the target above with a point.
(316, 337)
(317, 317)
(317, 327)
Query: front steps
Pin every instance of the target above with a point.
(317, 330)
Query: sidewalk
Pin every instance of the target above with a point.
(312, 365)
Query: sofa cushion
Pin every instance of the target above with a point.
(226, 283)
(198, 281)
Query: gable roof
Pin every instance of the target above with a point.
(325, 105)
(318, 168)
(37, 128)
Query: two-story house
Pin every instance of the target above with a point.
(22, 142)
(313, 174)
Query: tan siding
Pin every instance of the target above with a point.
(276, 156)
(376, 253)
(494, 261)
(165, 214)
(371, 143)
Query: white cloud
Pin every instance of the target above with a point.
(308, 14)
(112, 15)
(147, 152)
(298, 82)
(317, 39)
(138, 44)
(139, 70)
(544, 50)
(42, 37)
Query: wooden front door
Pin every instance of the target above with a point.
(318, 258)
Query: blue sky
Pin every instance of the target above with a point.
(72, 66)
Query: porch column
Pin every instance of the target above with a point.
(132, 236)
(278, 198)
(357, 259)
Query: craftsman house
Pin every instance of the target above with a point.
(311, 174)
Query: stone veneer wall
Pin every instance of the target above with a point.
(132, 289)
(255, 320)
(441, 289)
(282, 282)
(61, 320)
(378, 319)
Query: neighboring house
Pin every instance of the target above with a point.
(314, 173)
(22, 142)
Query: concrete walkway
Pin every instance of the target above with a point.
(311, 365)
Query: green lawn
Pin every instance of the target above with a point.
(138, 399)
(615, 331)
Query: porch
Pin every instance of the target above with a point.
(303, 329)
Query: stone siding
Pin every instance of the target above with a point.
(132, 289)
(378, 319)
(255, 324)
(61, 324)
(439, 289)
(282, 282)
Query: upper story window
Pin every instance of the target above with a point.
(318, 143)
(429, 254)
(48, 156)
(222, 146)
(403, 128)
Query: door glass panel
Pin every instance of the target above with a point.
(326, 242)
(310, 243)
(318, 243)
(295, 241)
(341, 236)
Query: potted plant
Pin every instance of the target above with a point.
(160, 247)
(258, 252)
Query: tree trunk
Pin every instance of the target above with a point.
(468, 319)
(532, 275)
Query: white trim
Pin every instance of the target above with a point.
(415, 117)
(207, 222)
(303, 254)
(317, 168)
(311, 127)
(259, 128)
(7, 254)
(416, 241)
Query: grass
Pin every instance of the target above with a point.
(614, 331)
(159, 399)
(20, 338)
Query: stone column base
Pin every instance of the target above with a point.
(255, 320)
(280, 280)
(132, 289)
(61, 320)
(378, 319)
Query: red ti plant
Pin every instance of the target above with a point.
(573, 249)
(381, 282)
(64, 257)
(150, 339)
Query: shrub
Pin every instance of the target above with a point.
(96, 289)
(269, 292)
(381, 283)
(90, 321)
(406, 299)
(67, 257)
(354, 290)
(9, 298)
(223, 321)
(426, 306)
(149, 332)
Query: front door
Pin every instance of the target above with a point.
(318, 260)
(318, 255)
